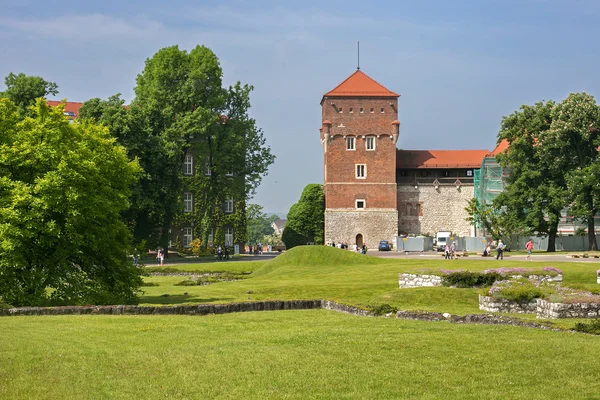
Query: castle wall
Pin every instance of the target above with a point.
(429, 210)
(342, 225)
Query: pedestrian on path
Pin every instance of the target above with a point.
(500, 248)
(529, 248)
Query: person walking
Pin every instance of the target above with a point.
(500, 248)
(452, 250)
(447, 252)
(529, 248)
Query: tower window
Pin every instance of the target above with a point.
(340, 110)
(372, 110)
(350, 143)
(469, 172)
(362, 110)
(382, 110)
(360, 203)
(361, 171)
(370, 143)
(350, 110)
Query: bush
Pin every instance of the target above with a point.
(187, 282)
(592, 327)
(150, 284)
(521, 290)
(466, 279)
(381, 309)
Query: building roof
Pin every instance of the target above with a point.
(71, 107)
(360, 84)
(280, 223)
(409, 159)
(500, 148)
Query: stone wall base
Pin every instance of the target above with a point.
(343, 225)
(415, 280)
(492, 304)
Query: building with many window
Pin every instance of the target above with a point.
(374, 191)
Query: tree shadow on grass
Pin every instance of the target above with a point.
(181, 298)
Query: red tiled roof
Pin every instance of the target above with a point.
(70, 107)
(406, 159)
(500, 148)
(360, 84)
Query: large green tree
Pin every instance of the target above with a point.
(306, 219)
(63, 187)
(131, 129)
(181, 108)
(23, 89)
(570, 147)
(535, 191)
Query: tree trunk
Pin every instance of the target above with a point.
(592, 246)
(551, 242)
(552, 232)
(164, 235)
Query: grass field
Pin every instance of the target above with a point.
(301, 354)
(345, 277)
(289, 354)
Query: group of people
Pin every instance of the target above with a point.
(222, 253)
(450, 251)
(256, 249)
(500, 247)
(344, 246)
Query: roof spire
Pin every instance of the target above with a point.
(358, 53)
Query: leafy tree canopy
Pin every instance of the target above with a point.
(259, 224)
(22, 90)
(306, 219)
(552, 160)
(63, 187)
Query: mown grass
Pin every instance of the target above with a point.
(350, 278)
(301, 354)
(289, 354)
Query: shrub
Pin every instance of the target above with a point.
(382, 309)
(150, 284)
(187, 282)
(520, 290)
(592, 327)
(466, 279)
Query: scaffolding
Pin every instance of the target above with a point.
(488, 181)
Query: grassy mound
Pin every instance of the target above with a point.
(317, 256)
(323, 255)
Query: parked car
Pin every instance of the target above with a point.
(384, 245)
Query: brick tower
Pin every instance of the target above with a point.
(359, 133)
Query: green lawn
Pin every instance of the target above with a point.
(346, 277)
(289, 354)
(301, 354)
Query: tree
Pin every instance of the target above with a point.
(535, 192)
(22, 90)
(259, 224)
(570, 147)
(130, 127)
(306, 219)
(181, 108)
(495, 222)
(63, 187)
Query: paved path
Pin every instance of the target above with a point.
(431, 255)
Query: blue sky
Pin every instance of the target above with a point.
(458, 65)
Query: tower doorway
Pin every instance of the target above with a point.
(359, 240)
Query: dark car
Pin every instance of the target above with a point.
(384, 245)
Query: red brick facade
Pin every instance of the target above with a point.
(360, 118)
(359, 133)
